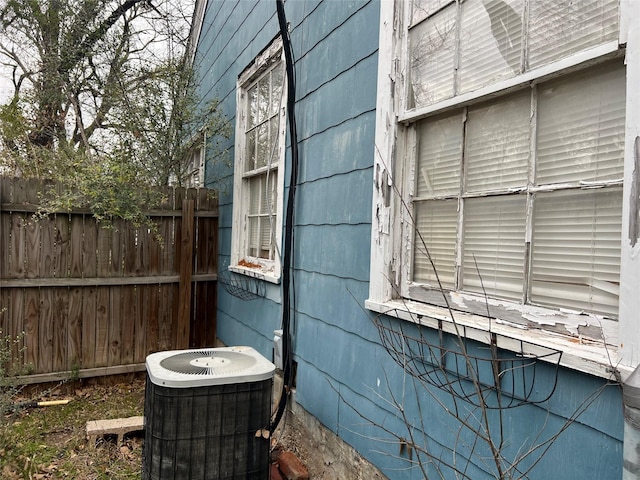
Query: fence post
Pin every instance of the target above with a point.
(186, 272)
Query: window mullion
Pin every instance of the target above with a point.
(524, 57)
(456, 56)
(530, 183)
(461, 201)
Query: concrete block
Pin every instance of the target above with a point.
(117, 426)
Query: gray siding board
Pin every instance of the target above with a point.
(343, 199)
(340, 149)
(338, 250)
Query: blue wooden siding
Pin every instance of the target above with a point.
(344, 374)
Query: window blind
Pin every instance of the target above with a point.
(558, 28)
(497, 144)
(581, 127)
(432, 46)
(490, 42)
(436, 226)
(439, 151)
(494, 245)
(576, 249)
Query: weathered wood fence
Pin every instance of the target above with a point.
(87, 300)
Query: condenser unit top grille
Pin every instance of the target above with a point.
(213, 366)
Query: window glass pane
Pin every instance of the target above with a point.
(250, 149)
(497, 144)
(494, 245)
(435, 237)
(254, 236)
(490, 41)
(263, 99)
(581, 127)
(263, 145)
(576, 249)
(558, 28)
(277, 77)
(265, 237)
(439, 152)
(432, 52)
(252, 107)
(421, 9)
(273, 139)
(256, 189)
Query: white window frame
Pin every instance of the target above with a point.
(196, 160)
(390, 256)
(265, 269)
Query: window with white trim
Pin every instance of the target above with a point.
(506, 160)
(259, 157)
(195, 163)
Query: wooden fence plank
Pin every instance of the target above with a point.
(74, 329)
(128, 316)
(17, 247)
(31, 327)
(165, 315)
(89, 323)
(60, 332)
(61, 247)
(45, 332)
(76, 246)
(46, 259)
(142, 324)
(153, 326)
(16, 327)
(102, 327)
(89, 247)
(186, 271)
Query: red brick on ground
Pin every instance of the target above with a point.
(291, 467)
(274, 473)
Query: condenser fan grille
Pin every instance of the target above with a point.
(208, 362)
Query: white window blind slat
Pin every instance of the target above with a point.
(436, 222)
(490, 42)
(574, 238)
(558, 28)
(581, 127)
(497, 144)
(494, 240)
(432, 47)
(439, 150)
(421, 9)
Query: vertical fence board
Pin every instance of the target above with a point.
(142, 325)
(186, 272)
(16, 327)
(102, 327)
(153, 334)
(31, 327)
(17, 246)
(45, 332)
(60, 329)
(128, 313)
(90, 339)
(74, 329)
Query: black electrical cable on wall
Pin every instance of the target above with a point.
(287, 260)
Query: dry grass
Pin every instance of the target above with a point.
(50, 442)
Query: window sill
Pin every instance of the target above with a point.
(591, 357)
(268, 275)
